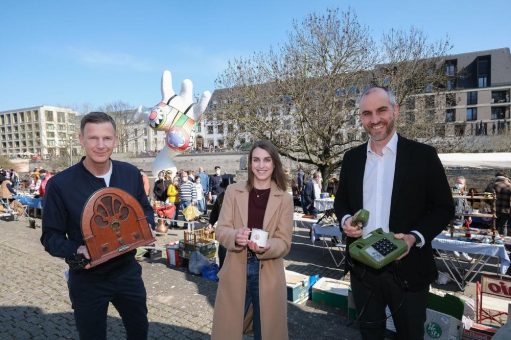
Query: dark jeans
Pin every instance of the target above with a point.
(252, 294)
(502, 223)
(90, 295)
(374, 291)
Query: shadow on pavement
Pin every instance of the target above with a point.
(33, 323)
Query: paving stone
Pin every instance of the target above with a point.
(34, 300)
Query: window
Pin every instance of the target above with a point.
(450, 84)
(49, 115)
(483, 71)
(230, 128)
(430, 114)
(498, 113)
(430, 102)
(210, 129)
(450, 99)
(450, 67)
(450, 115)
(472, 98)
(482, 81)
(220, 129)
(61, 117)
(50, 126)
(471, 113)
(410, 103)
(410, 117)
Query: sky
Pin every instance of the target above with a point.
(85, 54)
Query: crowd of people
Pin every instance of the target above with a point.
(187, 187)
(379, 176)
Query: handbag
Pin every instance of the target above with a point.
(191, 212)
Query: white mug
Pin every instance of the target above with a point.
(259, 236)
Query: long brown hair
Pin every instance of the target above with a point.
(278, 175)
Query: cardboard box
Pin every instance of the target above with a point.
(479, 332)
(331, 292)
(440, 326)
(297, 287)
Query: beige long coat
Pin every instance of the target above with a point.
(228, 319)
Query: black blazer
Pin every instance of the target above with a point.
(421, 200)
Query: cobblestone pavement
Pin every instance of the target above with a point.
(34, 301)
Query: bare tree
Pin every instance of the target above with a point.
(414, 69)
(124, 116)
(301, 96)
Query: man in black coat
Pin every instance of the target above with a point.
(403, 185)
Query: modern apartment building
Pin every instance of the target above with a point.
(477, 96)
(43, 131)
(476, 100)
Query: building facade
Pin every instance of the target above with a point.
(477, 96)
(475, 101)
(40, 131)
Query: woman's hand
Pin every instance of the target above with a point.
(241, 238)
(256, 249)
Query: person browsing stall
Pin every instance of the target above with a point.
(252, 286)
(118, 280)
(383, 177)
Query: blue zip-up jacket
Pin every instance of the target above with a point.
(66, 196)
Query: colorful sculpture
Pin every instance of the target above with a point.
(176, 115)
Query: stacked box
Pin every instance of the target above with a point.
(297, 287)
(207, 249)
(331, 292)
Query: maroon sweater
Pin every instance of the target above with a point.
(257, 201)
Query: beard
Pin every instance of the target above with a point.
(382, 135)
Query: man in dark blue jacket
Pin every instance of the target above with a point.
(118, 280)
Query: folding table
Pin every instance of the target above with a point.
(480, 252)
(322, 232)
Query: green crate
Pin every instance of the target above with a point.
(331, 292)
(297, 287)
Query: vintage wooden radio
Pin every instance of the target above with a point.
(113, 223)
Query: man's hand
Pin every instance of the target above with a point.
(83, 251)
(241, 238)
(410, 242)
(351, 231)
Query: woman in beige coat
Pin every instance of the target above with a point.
(252, 288)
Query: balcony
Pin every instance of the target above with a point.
(500, 112)
(500, 97)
